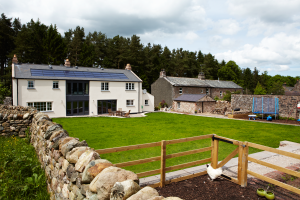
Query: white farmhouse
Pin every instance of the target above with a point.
(69, 91)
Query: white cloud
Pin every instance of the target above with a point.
(278, 51)
(226, 26)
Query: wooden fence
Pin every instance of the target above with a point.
(243, 158)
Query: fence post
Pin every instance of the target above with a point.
(214, 152)
(163, 163)
(244, 164)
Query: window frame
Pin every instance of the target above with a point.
(129, 102)
(207, 91)
(178, 105)
(129, 86)
(180, 90)
(146, 102)
(30, 86)
(202, 91)
(55, 85)
(221, 93)
(104, 86)
(48, 105)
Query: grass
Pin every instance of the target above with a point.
(106, 132)
(21, 176)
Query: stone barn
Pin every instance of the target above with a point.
(189, 103)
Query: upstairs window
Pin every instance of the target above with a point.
(104, 87)
(201, 90)
(221, 93)
(146, 102)
(129, 86)
(55, 85)
(207, 92)
(30, 84)
(180, 90)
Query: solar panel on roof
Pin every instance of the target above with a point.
(82, 74)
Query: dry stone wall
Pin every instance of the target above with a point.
(73, 169)
(14, 120)
(287, 104)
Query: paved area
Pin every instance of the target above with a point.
(230, 168)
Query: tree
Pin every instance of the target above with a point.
(276, 88)
(259, 89)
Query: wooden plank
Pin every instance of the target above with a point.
(163, 163)
(148, 173)
(282, 169)
(186, 177)
(189, 139)
(278, 183)
(258, 146)
(229, 157)
(175, 167)
(127, 148)
(244, 165)
(215, 150)
(137, 162)
(174, 155)
(235, 142)
(240, 162)
(155, 185)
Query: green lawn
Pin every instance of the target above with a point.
(107, 132)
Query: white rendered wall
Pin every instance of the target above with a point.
(14, 94)
(150, 98)
(116, 92)
(43, 92)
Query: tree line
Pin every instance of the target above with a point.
(34, 42)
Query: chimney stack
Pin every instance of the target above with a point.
(67, 63)
(15, 59)
(201, 76)
(128, 67)
(162, 73)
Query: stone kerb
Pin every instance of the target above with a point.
(14, 120)
(76, 171)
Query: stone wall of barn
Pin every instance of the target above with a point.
(287, 104)
(73, 169)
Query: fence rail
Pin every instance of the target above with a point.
(241, 150)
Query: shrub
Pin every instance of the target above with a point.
(21, 176)
(216, 98)
(162, 104)
(156, 108)
(227, 96)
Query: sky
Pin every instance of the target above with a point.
(259, 33)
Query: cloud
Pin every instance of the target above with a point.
(276, 53)
(226, 26)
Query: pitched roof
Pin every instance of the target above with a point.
(195, 82)
(40, 71)
(292, 93)
(194, 98)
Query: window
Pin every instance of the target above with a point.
(55, 85)
(220, 93)
(129, 102)
(104, 86)
(180, 90)
(41, 106)
(146, 102)
(30, 84)
(207, 91)
(178, 105)
(129, 86)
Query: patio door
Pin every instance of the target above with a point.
(77, 108)
(104, 105)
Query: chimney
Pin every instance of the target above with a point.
(67, 63)
(201, 76)
(15, 59)
(284, 85)
(128, 67)
(162, 73)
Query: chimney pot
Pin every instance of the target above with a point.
(201, 76)
(67, 63)
(15, 59)
(162, 73)
(128, 67)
